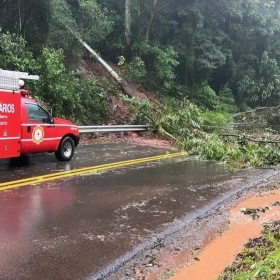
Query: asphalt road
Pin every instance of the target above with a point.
(72, 228)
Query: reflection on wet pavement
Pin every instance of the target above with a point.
(85, 156)
(69, 229)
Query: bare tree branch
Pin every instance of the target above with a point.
(256, 110)
(243, 137)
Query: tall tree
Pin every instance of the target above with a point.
(127, 28)
(28, 18)
(152, 15)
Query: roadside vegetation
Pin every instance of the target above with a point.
(204, 61)
(260, 259)
(210, 134)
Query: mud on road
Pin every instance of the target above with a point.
(117, 224)
(247, 220)
(189, 248)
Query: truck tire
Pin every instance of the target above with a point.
(65, 150)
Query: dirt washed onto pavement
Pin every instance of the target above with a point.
(247, 219)
(180, 243)
(131, 138)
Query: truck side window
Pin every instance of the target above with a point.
(36, 113)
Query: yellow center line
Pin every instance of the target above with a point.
(84, 171)
(128, 162)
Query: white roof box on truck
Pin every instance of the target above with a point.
(9, 80)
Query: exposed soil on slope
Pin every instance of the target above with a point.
(118, 111)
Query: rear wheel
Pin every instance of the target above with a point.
(66, 149)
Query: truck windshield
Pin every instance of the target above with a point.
(36, 113)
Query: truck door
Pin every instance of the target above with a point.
(38, 133)
(10, 112)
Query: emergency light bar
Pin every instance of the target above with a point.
(9, 80)
(17, 75)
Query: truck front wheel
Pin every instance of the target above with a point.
(66, 149)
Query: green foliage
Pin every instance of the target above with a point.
(135, 71)
(141, 110)
(260, 259)
(207, 97)
(261, 85)
(227, 102)
(197, 131)
(213, 148)
(74, 97)
(91, 108)
(161, 65)
(61, 18)
(93, 20)
(221, 55)
(260, 155)
(56, 84)
(216, 121)
(86, 18)
(183, 115)
(165, 65)
(121, 61)
(28, 18)
(232, 45)
(14, 53)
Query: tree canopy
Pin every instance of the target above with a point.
(205, 59)
(233, 47)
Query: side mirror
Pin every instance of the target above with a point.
(51, 120)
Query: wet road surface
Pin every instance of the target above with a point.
(71, 229)
(85, 156)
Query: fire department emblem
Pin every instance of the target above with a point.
(38, 135)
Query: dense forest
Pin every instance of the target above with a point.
(206, 59)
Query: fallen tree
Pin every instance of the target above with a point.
(121, 82)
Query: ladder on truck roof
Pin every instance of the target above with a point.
(9, 80)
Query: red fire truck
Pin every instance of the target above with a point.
(26, 127)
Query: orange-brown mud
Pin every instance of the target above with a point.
(221, 252)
